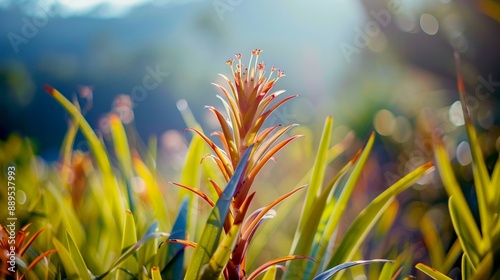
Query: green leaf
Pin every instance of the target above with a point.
(190, 176)
(467, 269)
(464, 227)
(111, 189)
(434, 274)
(151, 233)
(451, 258)
(300, 245)
(341, 204)
(319, 217)
(485, 268)
(175, 252)
(287, 206)
(365, 221)
(69, 265)
(122, 152)
(387, 271)
(462, 212)
(155, 274)
(317, 175)
(432, 242)
(495, 181)
(211, 233)
(270, 273)
(77, 258)
(154, 193)
(332, 271)
(129, 238)
(221, 255)
(66, 150)
(485, 194)
(67, 213)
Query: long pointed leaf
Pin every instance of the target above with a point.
(317, 174)
(122, 152)
(129, 238)
(319, 216)
(110, 186)
(151, 233)
(270, 273)
(340, 206)
(72, 271)
(464, 227)
(77, 258)
(175, 252)
(213, 228)
(332, 271)
(485, 194)
(433, 273)
(365, 221)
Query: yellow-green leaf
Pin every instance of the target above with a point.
(129, 238)
(270, 273)
(155, 273)
(77, 258)
(431, 272)
(69, 265)
(464, 227)
(365, 221)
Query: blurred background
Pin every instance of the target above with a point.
(349, 59)
(383, 66)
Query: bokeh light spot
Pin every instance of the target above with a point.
(384, 122)
(21, 197)
(402, 129)
(485, 119)
(138, 184)
(429, 24)
(464, 156)
(455, 114)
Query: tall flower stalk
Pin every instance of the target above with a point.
(248, 101)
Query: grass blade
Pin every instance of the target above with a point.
(153, 192)
(317, 174)
(451, 258)
(122, 152)
(77, 258)
(270, 273)
(155, 274)
(287, 206)
(464, 227)
(462, 213)
(151, 233)
(467, 269)
(175, 252)
(72, 271)
(129, 238)
(485, 194)
(434, 274)
(318, 218)
(365, 221)
(432, 242)
(111, 189)
(341, 204)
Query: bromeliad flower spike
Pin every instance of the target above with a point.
(248, 105)
(247, 99)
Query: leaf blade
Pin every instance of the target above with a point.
(215, 222)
